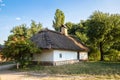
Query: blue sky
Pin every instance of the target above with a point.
(16, 12)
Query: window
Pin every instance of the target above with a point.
(60, 55)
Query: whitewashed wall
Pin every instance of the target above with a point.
(66, 55)
(46, 55)
(54, 55)
(83, 55)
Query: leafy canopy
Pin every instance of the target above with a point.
(18, 46)
(103, 30)
(79, 30)
(59, 19)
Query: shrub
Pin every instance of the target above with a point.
(94, 54)
(112, 55)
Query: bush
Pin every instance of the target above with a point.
(94, 54)
(20, 50)
(112, 55)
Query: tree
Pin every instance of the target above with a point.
(59, 19)
(72, 27)
(20, 30)
(19, 47)
(116, 46)
(79, 30)
(34, 28)
(20, 50)
(103, 30)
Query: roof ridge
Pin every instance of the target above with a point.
(78, 43)
(50, 31)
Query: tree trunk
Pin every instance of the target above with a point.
(101, 52)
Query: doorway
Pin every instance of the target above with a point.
(78, 55)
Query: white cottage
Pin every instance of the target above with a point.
(58, 48)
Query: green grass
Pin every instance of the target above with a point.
(91, 68)
(82, 71)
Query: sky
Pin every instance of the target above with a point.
(17, 12)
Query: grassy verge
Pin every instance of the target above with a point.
(92, 70)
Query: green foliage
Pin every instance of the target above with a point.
(94, 54)
(98, 27)
(59, 19)
(20, 50)
(79, 30)
(82, 37)
(103, 30)
(116, 46)
(20, 30)
(19, 47)
(112, 55)
(72, 27)
(35, 28)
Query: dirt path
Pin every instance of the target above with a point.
(13, 75)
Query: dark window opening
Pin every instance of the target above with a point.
(78, 55)
(60, 55)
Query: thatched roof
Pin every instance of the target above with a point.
(48, 39)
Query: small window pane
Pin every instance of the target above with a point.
(60, 55)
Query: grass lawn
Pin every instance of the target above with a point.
(92, 70)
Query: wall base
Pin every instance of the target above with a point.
(56, 62)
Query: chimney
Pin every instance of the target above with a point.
(64, 30)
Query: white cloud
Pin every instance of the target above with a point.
(18, 18)
(2, 4)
